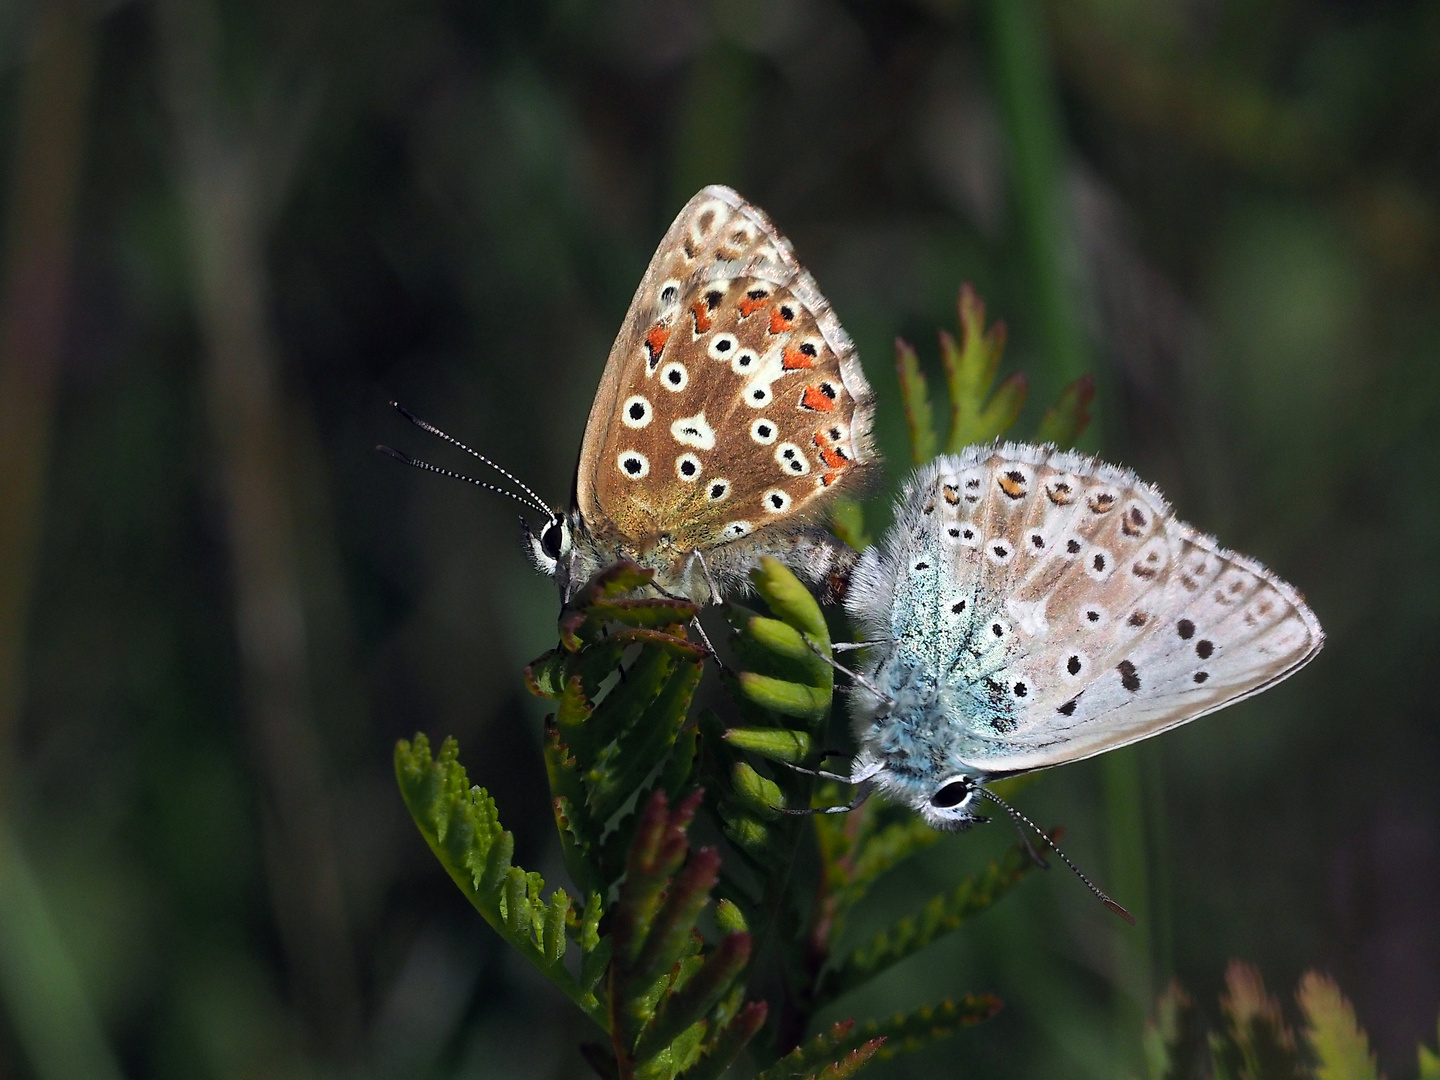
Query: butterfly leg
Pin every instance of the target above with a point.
(851, 646)
(821, 773)
(715, 596)
(854, 676)
(861, 794)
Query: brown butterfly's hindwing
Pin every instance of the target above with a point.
(731, 413)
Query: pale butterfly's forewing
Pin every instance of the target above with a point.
(1063, 611)
(732, 405)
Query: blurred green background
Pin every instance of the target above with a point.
(233, 231)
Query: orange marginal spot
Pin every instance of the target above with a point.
(830, 454)
(750, 304)
(655, 341)
(794, 359)
(830, 477)
(703, 322)
(816, 400)
(782, 318)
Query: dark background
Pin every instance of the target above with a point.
(235, 230)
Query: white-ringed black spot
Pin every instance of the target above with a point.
(688, 467)
(636, 412)
(721, 346)
(634, 465)
(674, 377)
(763, 431)
(758, 397)
(1037, 541)
(792, 459)
(1201, 676)
(1021, 689)
(775, 501)
(668, 294)
(953, 530)
(736, 529)
(997, 629)
(745, 362)
(718, 489)
(1073, 665)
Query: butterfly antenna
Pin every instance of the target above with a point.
(1018, 817)
(426, 426)
(425, 466)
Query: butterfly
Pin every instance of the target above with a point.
(1031, 607)
(731, 414)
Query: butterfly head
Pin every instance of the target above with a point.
(906, 757)
(552, 549)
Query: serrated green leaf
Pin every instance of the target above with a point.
(546, 675)
(970, 367)
(811, 1056)
(462, 828)
(1066, 420)
(754, 792)
(790, 601)
(908, 1032)
(786, 698)
(940, 916)
(776, 744)
(729, 1043)
(729, 918)
(1256, 1042)
(689, 1004)
(851, 1063)
(915, 397)
(1340, 1047)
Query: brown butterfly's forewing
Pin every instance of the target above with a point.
(731, 412)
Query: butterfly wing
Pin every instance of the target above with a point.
(732, 402)
(1089, 617)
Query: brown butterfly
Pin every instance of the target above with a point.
(731, 413)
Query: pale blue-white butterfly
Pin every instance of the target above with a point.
(1030, 608)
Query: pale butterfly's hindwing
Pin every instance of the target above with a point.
(1037, 607)
(731, 413)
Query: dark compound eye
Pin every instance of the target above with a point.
(551, 539)
(952, 794)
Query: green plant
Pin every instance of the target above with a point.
(664, 939)
(1254, 1040)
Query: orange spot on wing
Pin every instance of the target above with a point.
(816, 401)
(830, 477)
(655, 341)
(778, 322)
(830, 454)
(703, 322)
(794, 360)
(749, 304)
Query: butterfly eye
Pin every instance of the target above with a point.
(952, 794)
(552, 540)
